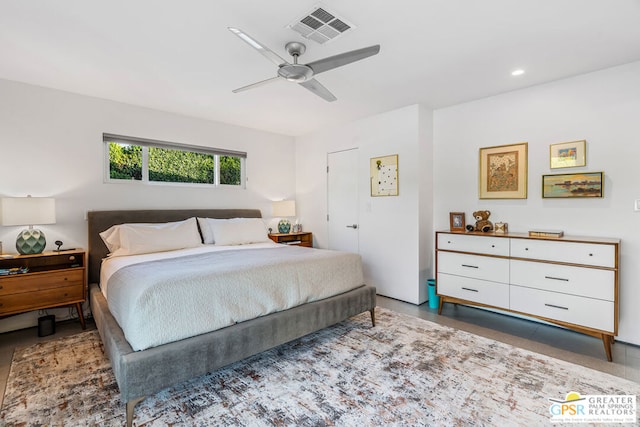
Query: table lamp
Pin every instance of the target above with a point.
(283, 209)
(28, 211)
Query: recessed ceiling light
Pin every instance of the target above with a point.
(517, 72)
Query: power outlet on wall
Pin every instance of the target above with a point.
(636, 206)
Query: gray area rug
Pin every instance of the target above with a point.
(405, 371)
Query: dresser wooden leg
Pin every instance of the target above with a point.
(607, 340)
(440, 305)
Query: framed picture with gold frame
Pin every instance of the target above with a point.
(456, 221)
(568, 154)
(572, 185)
(384, 176)
(503, 172)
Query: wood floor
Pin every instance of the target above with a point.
(549, 340)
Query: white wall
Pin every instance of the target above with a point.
(62, 134)
(51, 145)
(395, 233)
(601, 107)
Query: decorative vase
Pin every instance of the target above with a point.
(284, 226)
(31, 241)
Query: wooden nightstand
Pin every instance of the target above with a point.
(304, 238)
(53, 279)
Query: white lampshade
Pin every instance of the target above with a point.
(27, 211)
(284, 208)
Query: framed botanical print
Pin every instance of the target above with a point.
(384, 175)
(568, 154)
(456, 221)
(503, 172)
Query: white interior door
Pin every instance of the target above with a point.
(342, 200)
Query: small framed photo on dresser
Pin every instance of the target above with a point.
(456, 221)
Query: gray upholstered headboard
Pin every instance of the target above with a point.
(102, 220)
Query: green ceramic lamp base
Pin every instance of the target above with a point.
(284, 226)
(31, 241)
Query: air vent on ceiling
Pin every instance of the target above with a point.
(320, 25)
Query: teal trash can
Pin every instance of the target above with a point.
(434, 300)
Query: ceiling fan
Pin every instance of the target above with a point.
(303, 74)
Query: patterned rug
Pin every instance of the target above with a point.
(405, 371)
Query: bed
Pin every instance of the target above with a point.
(144, 372)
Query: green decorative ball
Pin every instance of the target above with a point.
(31, 242)
(284, 226)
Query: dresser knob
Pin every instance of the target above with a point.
(493, 246)
(526, 249)
(66, 278)
(0, 287)
(590, 254)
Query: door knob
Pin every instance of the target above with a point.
(354, 226)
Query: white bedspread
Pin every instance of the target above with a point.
(171, 296)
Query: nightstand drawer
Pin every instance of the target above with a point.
(41, 281)
(53, 279)
(302, 238)
(25, 301)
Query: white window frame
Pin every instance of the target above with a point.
(146, 143)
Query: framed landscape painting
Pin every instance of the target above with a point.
(568, 154)
(503, 172)
(572, 185)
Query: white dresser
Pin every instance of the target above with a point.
(569, 281)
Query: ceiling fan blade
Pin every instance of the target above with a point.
(314, 86)
(322, 65)
(252, 85)
(265, 51)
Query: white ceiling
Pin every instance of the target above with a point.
(178, 56)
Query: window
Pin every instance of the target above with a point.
(130, 159)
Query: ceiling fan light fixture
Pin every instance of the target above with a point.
(295, 73)
(303, 74)
(517, 72)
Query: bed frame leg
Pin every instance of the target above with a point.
(130, 407)
(373, 316)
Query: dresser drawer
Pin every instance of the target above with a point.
(474, 266)
(476, 244)
(25, 301)
(40, 281)
(601, 255)
(481, 291)
(586, 282)
(589, 312)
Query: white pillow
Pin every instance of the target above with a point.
(205, 230)
(133, 239)
(234, 231)
(111, 238)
